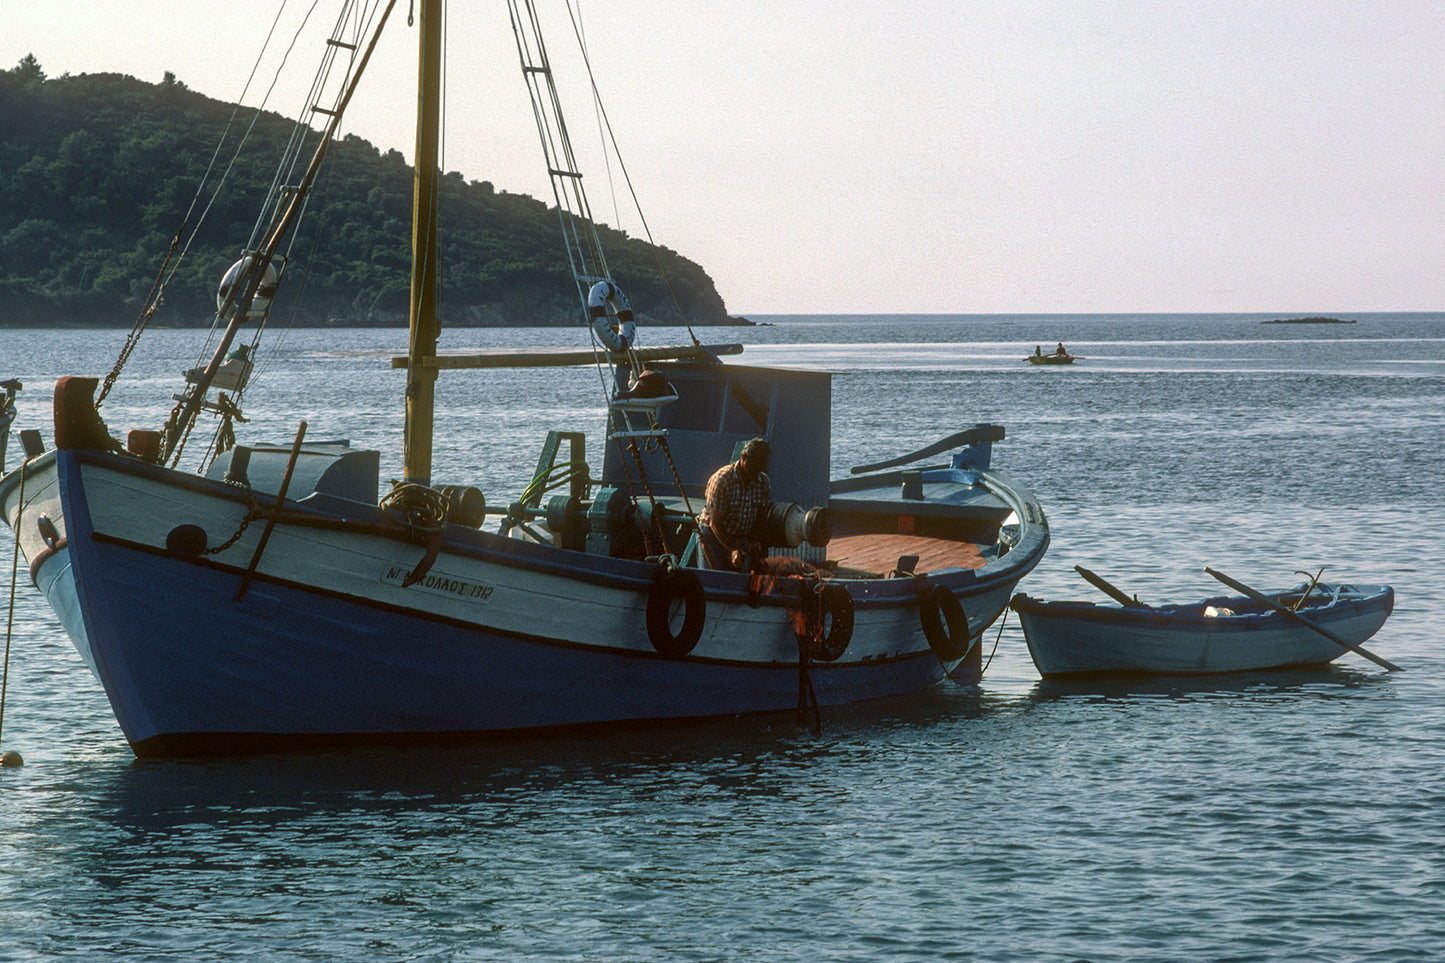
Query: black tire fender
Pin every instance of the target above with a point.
(673, 586)
(836, 606)
(945, 624)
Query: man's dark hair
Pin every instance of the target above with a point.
(758, 448)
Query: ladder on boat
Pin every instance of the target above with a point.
(579, 229)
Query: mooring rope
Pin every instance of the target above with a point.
(10, 618)
(807, 695)
(416, 506)
(1001, 623)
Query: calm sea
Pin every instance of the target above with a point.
(1279, 816)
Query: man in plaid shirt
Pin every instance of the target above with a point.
(739, 496)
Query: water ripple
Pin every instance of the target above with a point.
(1288, 816)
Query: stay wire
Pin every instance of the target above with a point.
(188, 229)
(626, 177)
(241, 142)
(357, 19)
(597, 109)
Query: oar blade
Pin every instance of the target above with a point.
(1100, 583)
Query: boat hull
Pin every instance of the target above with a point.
(324, 644)
(1082, 639)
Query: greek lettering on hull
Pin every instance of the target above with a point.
(437, 583)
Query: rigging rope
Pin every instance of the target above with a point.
(159, 289)
(189, 229)
(148, 310)
(249, 280)
(626, 177)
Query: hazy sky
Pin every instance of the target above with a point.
(902, 156)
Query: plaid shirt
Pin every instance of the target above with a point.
(734, 505)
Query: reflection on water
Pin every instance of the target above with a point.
(1329, 681)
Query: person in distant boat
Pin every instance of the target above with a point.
(739, 496)
(1061, 352)
(1038, 351)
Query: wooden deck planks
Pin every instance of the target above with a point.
(879, 552)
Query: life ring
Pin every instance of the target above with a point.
(835, 607)
(945, 624)
(624, 335)
(233, 286)
(672, 586)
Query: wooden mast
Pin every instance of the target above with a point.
(421, 377)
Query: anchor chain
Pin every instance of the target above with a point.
(253, 512)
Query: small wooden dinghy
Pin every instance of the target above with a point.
(1312, 624)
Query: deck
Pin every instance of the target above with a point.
(877, 553)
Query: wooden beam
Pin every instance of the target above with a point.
(566, 357)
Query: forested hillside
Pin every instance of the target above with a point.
(98, 171)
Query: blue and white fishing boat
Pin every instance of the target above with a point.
(267, 598)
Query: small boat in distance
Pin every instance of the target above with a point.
(1059, 355)
(1311, 624)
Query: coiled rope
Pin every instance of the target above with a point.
(416, 506)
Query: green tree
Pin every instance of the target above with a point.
(99, 172)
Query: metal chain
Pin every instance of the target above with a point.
(253, 512)
(677, 477)
(153, 302)
(656, 518)
(622, 462)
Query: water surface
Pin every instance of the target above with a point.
(1275, 816)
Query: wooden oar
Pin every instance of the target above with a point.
(1109, 590)
(1290, 613)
